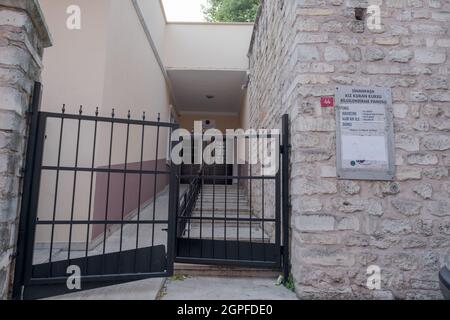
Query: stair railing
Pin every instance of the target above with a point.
(187, 204)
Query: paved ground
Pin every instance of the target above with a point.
(177, 288)
(139, 290)
(224, 288)
(191, 288)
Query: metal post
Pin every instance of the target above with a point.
(27, 184)
(285, 195)
(174, 201)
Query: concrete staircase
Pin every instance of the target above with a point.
(220, 202)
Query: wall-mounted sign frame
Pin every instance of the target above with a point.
(364, 133)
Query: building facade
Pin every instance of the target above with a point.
(301, 51)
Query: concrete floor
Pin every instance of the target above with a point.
(225, 288)
(139, 290)
(190, 288)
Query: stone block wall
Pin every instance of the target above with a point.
(301, 50)
(23, 36)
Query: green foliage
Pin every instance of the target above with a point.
(289, 283)
(179, 277)
(231, 10)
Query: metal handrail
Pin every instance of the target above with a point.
(187, 203)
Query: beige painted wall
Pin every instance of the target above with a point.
(110, 64)
(207, 46)
(155, 19)
(133, 80)
(223, 122)
(74, 67)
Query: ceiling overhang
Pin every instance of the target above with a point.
(208, 91)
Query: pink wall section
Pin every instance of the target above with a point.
(131, 198)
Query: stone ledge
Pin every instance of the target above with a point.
(33, 9)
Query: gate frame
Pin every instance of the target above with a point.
(23, 276)
(286, 205)
(282, 223)
(19, 272)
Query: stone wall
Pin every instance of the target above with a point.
(301, 50)
(23, 35)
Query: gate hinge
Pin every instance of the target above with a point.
(22, 171)
(289, 147)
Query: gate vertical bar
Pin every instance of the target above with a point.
(94, 146)
(285, 195)
(278, 200)
(26, 194)
(155, 177)
(174, 201)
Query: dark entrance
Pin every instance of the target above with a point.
(223, 172)
(89, 206)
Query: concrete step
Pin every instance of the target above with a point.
(228, 204)
(231, 205)
(217, 189)
(206, 211)
(232, 219)
(243, 214)
(222, 190)
(221, 200)
(231, 233)
(224, 271)
(221, 224)
(221, 196)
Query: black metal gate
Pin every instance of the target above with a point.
(244, 222)
(87, 209)
(90, 215)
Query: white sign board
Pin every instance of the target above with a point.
(365, 134)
